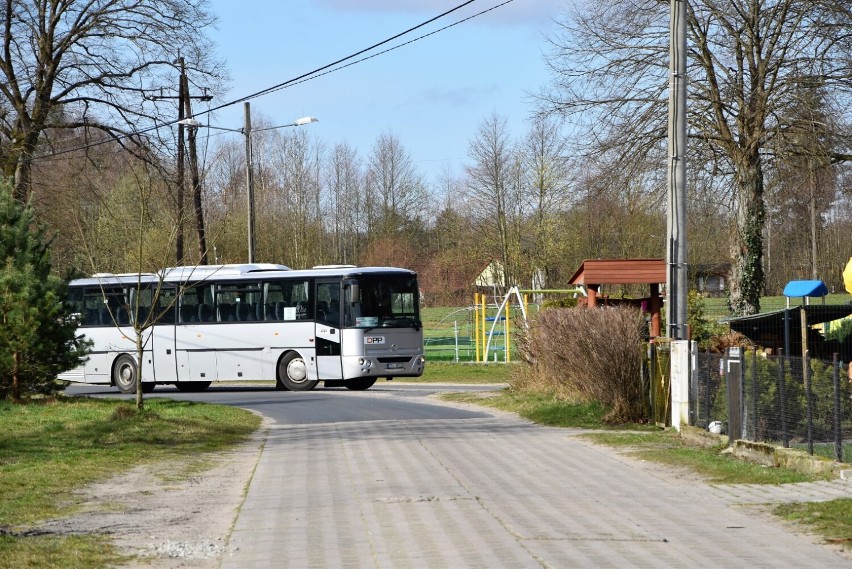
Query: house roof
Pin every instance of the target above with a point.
(620, 271)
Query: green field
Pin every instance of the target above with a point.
(717, 307)
(448, 332)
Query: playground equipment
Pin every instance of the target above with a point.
(502, 314)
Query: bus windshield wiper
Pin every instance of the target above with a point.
(416, 324)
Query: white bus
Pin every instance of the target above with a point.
(342, 325)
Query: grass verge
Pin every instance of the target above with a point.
(51, 448)
(669, 448)
(830, 520)
(449, 372)
(543, 409)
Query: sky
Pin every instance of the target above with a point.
(431, 94)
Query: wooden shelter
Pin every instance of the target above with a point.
(596, 272)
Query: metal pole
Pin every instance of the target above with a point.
(808, 403)
(676, 251)
(838, 433)
(456, 334)
(782, 360)
(733, 373)
(249, 182)
(180, 170)
(754, 395)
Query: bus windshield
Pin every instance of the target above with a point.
(383, 301)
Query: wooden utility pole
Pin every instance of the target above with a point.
(196, 180)
(185, 111)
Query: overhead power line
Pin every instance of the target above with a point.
(318, 72)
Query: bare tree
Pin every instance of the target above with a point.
(747, 59)
(344, 181)
(547, 188)
(97, 64)
(396, 195)
(493, 187)
(297, 238)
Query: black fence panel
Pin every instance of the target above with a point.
(788, 401)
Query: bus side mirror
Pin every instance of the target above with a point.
(354, 293)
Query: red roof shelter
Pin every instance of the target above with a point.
(595, 272)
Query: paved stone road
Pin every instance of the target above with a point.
(498, 492)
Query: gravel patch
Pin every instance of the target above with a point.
(170, 515)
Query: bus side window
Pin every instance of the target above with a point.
(302, 310)
(188, 312)
(167, 308)
(90, 316)
(226, 312)
(245, 312)
(328, 302)
(205, 313)
(122, 318)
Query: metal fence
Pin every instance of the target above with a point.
(787, 401)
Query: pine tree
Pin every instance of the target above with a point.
(38, 337)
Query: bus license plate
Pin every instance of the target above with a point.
(396, 366)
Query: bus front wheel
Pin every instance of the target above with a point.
(293, 373)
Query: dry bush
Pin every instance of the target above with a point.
(586, 355)
(731, 339)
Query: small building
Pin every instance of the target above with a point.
(710, 279)
(493, 276)
(594, 273)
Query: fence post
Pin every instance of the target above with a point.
(707, 397)
(733, 371)
(806, 367)
(476, 325)
(754, 395)
(838, 435)
(782, 390)
(456, 334)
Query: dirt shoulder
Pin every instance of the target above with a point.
(175, 514)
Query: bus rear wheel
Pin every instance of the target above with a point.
(360, 384)
(293, 373)
(125, 375)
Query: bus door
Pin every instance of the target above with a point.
(196, 339)
(162, 341)
(327, 315)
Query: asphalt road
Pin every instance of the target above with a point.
(382, 402)
(389, 479)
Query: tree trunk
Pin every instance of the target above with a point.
(812, 182)
(16, 383)
(23, 155)
(140, 402)
(747, 277)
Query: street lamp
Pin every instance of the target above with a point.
(246, 131)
